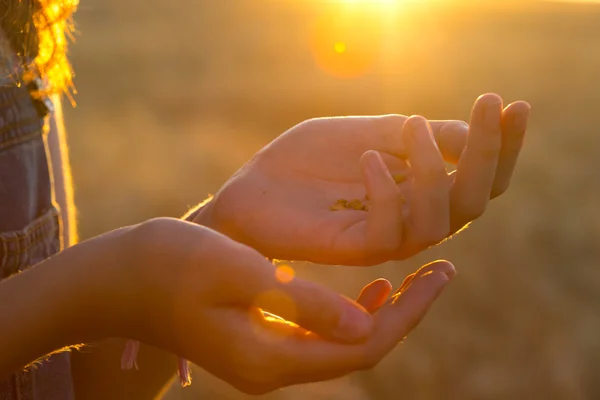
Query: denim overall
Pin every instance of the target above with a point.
(30, 229)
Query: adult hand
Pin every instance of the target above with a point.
(280, 201)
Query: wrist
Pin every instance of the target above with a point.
(98, 272)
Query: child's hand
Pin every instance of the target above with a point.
(284, 201)
(187, 289)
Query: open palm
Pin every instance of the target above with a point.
(285, 202)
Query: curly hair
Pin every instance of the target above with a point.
(38, 31)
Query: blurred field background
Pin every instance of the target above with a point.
(174, 96)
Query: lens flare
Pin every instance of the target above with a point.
(284, 273)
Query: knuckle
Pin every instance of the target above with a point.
(394, 119)
(390, 125)
(310, 123)
(154, 228)
(151, 238)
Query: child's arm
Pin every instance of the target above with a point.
(58, 303)
(196, 293)
(96, 369)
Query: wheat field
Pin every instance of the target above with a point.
(175, 96)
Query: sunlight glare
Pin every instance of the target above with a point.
(339, 47)
(284, 273)
(285, 303)
(373, 2)
(348, 36)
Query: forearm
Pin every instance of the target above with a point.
(52, 305)
(96, 369)
(97, 372)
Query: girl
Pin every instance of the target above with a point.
(195, 287)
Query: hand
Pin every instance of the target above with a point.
(200, 295)
(279, 202)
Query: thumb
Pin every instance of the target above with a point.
(312, 306)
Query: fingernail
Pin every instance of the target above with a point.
(409, 127)
(521, 119)
(453, 127)
(441, 280)
(443, 266)
(354, 324)
(492, 111)
(374, 162)
(416, 127)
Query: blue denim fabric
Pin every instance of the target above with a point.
(30, 229)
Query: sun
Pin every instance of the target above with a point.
(390, 2)
(373, 2)
(386, 3)
(381, 6)
(347, 39)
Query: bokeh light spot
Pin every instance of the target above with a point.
(284, 273)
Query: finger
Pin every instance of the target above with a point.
(451, 139)
(440, 266)
(429, 208)
(449, 134)
(311, 361)
(397, 320)
(406, 283)
(375, 294)
(477, 166)
(383, 229)
(312, 306)
(514, 126)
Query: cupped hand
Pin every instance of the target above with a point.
(288, 202)
(207, 298)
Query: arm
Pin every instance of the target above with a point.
(24, 320)
(51, 297)
(96, 369)
(166, 265)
